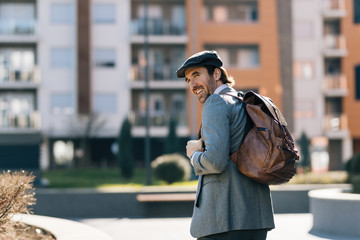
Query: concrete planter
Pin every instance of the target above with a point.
(335, 211)
(63, 229)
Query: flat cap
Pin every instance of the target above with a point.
(199, 59)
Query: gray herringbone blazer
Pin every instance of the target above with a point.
(226, 200)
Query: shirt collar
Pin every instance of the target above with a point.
(220, 88)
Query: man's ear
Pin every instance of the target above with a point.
(217, 74)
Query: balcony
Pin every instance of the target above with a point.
(335, 85)
(334, 8)
(157, 27)
(158, 124)
(16, 30)
(336, 125)
(161, 77)
(334, 46)
(160, 31)
(22, 121)
(17, 78)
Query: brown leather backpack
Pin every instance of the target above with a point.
(267, 154)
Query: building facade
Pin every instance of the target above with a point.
(253, 38)
(325, 60)
(71, 71)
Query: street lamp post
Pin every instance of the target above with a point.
(147, 152)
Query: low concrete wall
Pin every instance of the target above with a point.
(293, 198)
(335, 212)
(87, 203)
(63, 229)
(122, 202)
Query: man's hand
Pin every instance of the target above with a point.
(194, 146)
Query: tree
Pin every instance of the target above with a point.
(83, 128)
(171, 141)
(125, 155)
(304, 144)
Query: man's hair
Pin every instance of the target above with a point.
(225, 77)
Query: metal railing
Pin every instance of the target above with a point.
(335, 42)
(18, 75)
(156, 72)
(18, 27)
(336, 122)
(329, 5)
(335, 82)
(157, 27)
(157, 119)
(20, 121)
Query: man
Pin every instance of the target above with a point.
(228, 204)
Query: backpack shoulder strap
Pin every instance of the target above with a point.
(256, 99)
(237, 95)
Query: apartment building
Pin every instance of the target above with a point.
(326, 43)
(253, 38)
(85, 57)
(19, 86)
(167, 39)
(64, 67)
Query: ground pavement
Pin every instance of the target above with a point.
(288, 227)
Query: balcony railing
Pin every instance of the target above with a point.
(20, 121)
(157, 119)
(9, 75)
(156, 72)
(157, 27)
(335, 82)
(334, 8)
(335, 46)
(18, 27)
(336, 122)
(335, 42)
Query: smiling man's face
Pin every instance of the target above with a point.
(201, 84)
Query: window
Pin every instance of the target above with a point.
(62, 58)
(103, 13)
(178, 108)
(62, 13)
(62, 103)
(17, 109)
(239, 56)
(357, 82)
(230, 11)
(105, 103)
(356, 11)
(303, 70)
(104, 58)
(17, 64)
(17, 17)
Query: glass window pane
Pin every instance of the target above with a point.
(103, 13)
(62, 13)
(357, 82)
(104, 58)
(105, 103)
(62, 103)
(62, 58)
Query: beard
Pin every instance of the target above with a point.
(207, 90)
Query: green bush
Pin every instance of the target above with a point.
(352, 166)
(171, 168)
(125, 155)
(356, 183)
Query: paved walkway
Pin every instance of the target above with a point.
(288, 227)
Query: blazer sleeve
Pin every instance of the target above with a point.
(216, 136)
